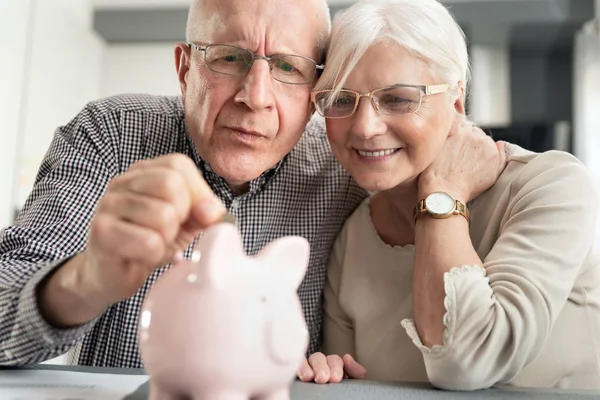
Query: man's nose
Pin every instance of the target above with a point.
(256, 90)
(367, 120)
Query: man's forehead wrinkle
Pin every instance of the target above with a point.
(267, 27)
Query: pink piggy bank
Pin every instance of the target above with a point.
(226, 326)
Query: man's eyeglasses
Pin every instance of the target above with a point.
(390, 100)
(233, 60)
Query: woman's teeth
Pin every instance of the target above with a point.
(377, 153)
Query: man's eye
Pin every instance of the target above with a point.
(231, 58)
(286, 67)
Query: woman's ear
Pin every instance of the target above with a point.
(311, 110)
(459, 103)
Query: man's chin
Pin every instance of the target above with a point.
(238, 178)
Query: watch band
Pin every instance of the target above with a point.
(459, 209)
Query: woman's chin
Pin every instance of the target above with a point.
(373, 183)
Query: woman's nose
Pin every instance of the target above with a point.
(367, 120)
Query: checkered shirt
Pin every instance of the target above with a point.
(306, 194)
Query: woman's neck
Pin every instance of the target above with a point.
(392, 214)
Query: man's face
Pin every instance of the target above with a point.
(244, 125)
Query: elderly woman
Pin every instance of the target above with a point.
(471, 265)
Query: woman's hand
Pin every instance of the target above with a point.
(330, 369)
(469, 164)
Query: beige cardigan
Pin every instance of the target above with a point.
(530, 317)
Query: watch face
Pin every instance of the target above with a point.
(440, 203)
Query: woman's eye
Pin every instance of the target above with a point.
(343, 101)
(394, 100)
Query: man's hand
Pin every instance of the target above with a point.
(469, 164)
(146, 215)
(330, 369)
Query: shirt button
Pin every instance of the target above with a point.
(9, 354)
(235, 204)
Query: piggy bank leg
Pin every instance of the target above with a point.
(220, 395)
(157, 393)
(283, 394)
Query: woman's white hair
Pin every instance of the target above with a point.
(425, 28)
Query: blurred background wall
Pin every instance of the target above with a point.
(536, 71)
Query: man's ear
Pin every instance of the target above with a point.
(182, 65)
(459, 103)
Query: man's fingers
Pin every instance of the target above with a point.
(198, 188)
(318, 362)
(124, 240)
(503, 152)
(457, 124)
(144, 211)
(336, 368)
(353, 369)
(176, 179)
(157, 182)
(305, 372)
(205, 213)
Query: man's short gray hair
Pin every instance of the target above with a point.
(196, 19)
(425, 28)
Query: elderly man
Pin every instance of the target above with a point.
(133, 179)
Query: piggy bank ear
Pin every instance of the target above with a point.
(220, 244)
(289, 256)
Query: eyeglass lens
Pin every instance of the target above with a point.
(390, 101)
(233, 60)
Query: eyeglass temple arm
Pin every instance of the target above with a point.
(435, 89)
(195, 46)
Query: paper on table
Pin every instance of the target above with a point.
(66, 385)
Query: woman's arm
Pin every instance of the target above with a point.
(440, 244)
(491, 327)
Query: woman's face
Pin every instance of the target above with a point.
(363, 141)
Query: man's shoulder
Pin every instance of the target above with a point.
(548, 176)
(530, 168)
(313, 147)
(312, 164)
(127, 128)
(168, 106)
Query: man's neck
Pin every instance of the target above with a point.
(239, 188)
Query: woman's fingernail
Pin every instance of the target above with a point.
(304, 373)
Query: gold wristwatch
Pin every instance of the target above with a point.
(441, 205)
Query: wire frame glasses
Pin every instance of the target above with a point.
(237, 61)
(390, 100)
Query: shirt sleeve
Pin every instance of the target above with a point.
(338, 329)
(499, 316)
(50, 229)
